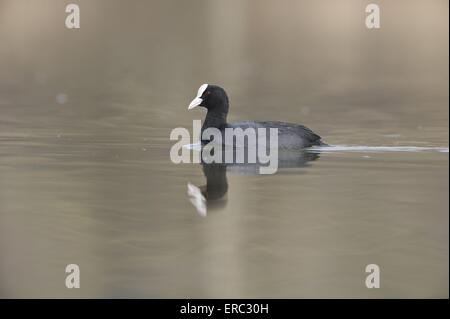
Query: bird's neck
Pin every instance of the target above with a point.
(214, 119)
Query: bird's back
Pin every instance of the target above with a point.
(290, 135)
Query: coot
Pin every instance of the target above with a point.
(215, 100)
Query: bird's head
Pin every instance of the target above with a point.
(211, 97)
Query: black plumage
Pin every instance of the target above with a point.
(215, 100)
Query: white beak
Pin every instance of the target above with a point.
(198, 100)
(195, 102)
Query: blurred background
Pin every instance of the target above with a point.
(86, 178)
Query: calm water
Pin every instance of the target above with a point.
(86, 178)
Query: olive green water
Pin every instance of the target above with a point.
(86, 177)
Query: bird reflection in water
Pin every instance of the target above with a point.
(212, 196)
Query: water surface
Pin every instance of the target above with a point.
(86, 177)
